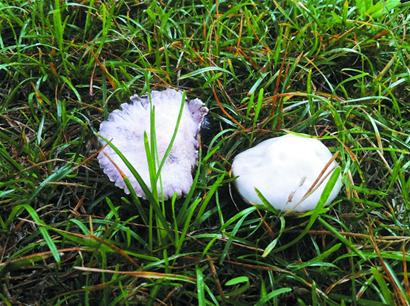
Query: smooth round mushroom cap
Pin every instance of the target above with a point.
(125, 128)
(284, 169)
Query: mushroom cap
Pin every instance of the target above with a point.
(125, 129)
(284, 169)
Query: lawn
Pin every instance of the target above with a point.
(334, 69)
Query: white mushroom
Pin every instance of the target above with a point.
(125, 129)
(289, 171)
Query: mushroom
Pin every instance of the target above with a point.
(290, 171)
(125, 129)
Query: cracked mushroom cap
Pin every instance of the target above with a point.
(290, 172)
(125, 128)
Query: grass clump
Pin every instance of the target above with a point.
(336, 69)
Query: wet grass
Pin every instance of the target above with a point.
(335, 69)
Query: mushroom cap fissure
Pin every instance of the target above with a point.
(126, 128)
(284, 169)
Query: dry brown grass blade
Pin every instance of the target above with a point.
(224, 110)
(215, 276)
(266, 225)
(115, 165)
(382, 239)
(139, 274)
(104, 70)
(400, 299)
(42, 255)
(321, 177)
(116, 249)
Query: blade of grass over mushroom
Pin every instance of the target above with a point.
(151, 154)
(139, 179)
(321, 177)
(174, 134)
(134, 172)
(265, 203)
(314, 214)
(130, 189)
(151, 149)
(152, 158)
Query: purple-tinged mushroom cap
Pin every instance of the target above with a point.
(125, 129)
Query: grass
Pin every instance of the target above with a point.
(335, 69)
